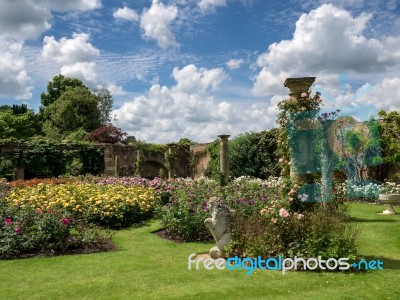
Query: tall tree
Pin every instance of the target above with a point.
(105, 102)
(57, 87)
(19, 126)
(75, 109)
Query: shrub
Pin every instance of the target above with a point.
(247, 196)
(184, 214)
(107, 134)
(275, 231)
(26, 231)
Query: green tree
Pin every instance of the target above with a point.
(57, 87)
(19, 126)
(105, 102)
(76, 109)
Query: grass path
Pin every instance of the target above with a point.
(148, 267)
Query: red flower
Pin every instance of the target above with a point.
(8, 221)
(65, 221)
(17, 229)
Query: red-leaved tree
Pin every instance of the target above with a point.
(107, 134)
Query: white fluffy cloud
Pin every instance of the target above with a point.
(189, 109)
(234, 63)
(83, 70)
(23, 19)
(190, 78)
(155, 23)
(116, 90)
(210, 4)
(62, 5)
(126, 14)
(14, 80)
(326, 41)
(384, 95)
(69, 51)
(76, 56)
(27, 19)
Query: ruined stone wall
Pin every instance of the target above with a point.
(120, 160)
(200, 159)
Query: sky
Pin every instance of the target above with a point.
(201, 68)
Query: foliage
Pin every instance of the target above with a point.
(105, 103)
(129, 140)
(76, 108)
(19, 109)
(253, 154)
(19, 126)
(250, 154)
(57, 87)
(213, 169)
(276, 231)
(107, 134)
(76, 136)
(111, 205)
(26, 231)
(186, 210)
(390, 136)
(53, 158)
(247, 196)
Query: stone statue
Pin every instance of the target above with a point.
(219, 225)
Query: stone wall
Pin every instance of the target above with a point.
(120, 160)
(200, 159)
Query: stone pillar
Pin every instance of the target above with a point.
(109, 165)
(116, 162)
(170, 161)
(139, 163)
(297, 86)
(19, 173)
(224, 158)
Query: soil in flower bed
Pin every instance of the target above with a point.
(166, 234)
(105, 247)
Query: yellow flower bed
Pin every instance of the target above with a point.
(99, 202)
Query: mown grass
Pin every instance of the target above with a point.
(146, 266)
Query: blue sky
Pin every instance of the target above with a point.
(199, 68)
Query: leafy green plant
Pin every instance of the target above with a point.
(26, 231)
(183, 216)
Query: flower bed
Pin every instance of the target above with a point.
(112, 205)
(27, 231)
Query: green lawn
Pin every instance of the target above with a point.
(148, 267)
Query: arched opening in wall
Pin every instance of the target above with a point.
(152, 169)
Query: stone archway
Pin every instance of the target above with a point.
(152, 169)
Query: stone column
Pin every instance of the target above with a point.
(139, 162)
(224, 158)
(170, 160)
(109, 161)
(116, 169)
(297, 86)
(20, 173)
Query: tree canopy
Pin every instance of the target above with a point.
(57, 86)
(70, 107)
(75, 109)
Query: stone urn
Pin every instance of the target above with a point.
(389, 200)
